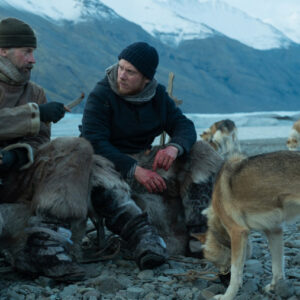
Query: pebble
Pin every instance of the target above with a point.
(120, 279)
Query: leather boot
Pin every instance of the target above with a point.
(124, 218)
(148, 248)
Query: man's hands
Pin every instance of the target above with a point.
(52, 111)
(164, 158)
(152, 181)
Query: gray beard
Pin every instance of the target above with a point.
(25, 75)
(10, 74)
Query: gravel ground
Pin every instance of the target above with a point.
(180, 278)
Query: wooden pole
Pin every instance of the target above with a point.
(170, 92)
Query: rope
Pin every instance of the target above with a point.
(112, 242)
(193, 274)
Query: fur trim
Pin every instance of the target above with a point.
(28, 150)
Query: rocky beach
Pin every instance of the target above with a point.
(180, 278)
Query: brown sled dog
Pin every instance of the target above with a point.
(222, 136)
(255, 193)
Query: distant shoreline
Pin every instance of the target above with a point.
(258, 146)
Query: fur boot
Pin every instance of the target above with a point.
(55, 190)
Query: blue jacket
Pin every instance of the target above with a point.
(116, 127)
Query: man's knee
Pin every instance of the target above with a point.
(62, 175)
(70, 146)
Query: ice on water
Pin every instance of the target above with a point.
(256, 125)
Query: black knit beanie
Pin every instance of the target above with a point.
(15, 33)
(143, 56)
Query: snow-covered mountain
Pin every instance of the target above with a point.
(59, 10)
(172, 21)
(177, 20)
(284, 15)
(206, 44)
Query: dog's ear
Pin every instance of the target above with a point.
(200, 237)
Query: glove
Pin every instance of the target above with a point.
(51, 112)
(9, 159)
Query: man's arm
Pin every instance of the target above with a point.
(24, 128)
(96, 128)
(182, 133)
(181, 130)
(19, 121)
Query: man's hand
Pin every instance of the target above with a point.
(150, 180)
(52, 111)
(164, 158)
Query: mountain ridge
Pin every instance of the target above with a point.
(212, 75)
(172, 21)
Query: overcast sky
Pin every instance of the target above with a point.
(283, 14)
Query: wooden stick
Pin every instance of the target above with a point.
(75, 102)
(170, 92)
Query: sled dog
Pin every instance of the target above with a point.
(222, 136)
(293, 140)
(257, 193)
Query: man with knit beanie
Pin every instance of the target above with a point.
(124, 113)
(45, 185)
(36, 205)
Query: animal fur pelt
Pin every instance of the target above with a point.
(168, 211)
(196, 167)
(55, 186)
(256, 193)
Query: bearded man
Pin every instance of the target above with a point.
(45, 185)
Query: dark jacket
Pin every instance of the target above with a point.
(116, 127)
